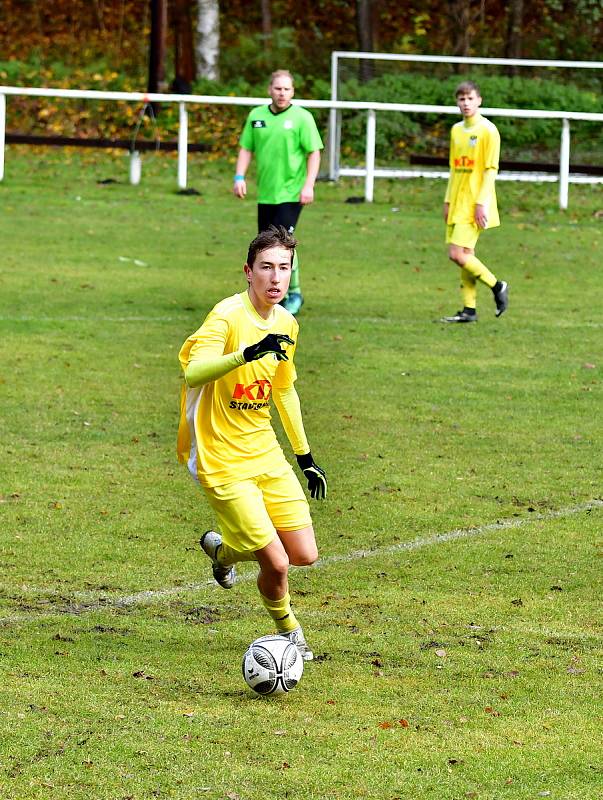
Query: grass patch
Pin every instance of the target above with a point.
(448, 667)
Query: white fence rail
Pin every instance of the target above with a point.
(369, 171)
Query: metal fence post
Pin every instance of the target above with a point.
(333, 145)
(135, 167)
(182, 145)
(371, 127)
(564, 163)
(2, 133)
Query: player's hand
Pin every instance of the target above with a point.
(446, 209)
(481, 218)
(317, 480)
(307, 195)
(239, 189)
(269, 344)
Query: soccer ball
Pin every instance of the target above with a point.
(272, 665)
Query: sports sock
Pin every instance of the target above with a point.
(281, 613)
(294, 284)
(227, 555)
(479, 271)
(497, 287)
(468, 290)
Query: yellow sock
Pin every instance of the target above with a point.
(228, 555)
(468, 289)
(281, 613)
(479, 271)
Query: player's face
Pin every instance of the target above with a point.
(281, 92)
(269, 278)
(468, 103)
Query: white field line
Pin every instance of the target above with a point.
(88, 602)
(332, 321)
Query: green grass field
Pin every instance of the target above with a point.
(456, 611)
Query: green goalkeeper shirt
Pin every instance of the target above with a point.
(281, 143)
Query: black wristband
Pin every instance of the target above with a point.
(305, 461)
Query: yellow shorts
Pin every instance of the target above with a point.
(463, 234)
(250, 511)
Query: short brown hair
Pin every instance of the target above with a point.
(281, 73)
(272, 237)
(467, 86)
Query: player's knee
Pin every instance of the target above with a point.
(457, 256)
(277, 567)
(306, 557)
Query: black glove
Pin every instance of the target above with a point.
(269, 344)
(317, 480)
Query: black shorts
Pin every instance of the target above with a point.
(285, 214)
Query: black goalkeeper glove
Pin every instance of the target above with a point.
(269, 344)
(317, 480)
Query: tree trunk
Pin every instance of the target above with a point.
(514, 42)
(157, 46)
(208, 39)
(364, 29)
(184, 51)
(267, 23)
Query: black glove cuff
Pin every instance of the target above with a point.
(305, 461)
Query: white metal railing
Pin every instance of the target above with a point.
(370, 172)
(335, 169)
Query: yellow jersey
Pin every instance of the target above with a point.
(474, 148)
(225, 432)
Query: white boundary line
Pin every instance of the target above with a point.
(157, 595)
(385, 321)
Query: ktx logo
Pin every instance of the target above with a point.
(259, 390)
(464, 161)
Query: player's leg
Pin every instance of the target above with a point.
(244, 524)
(468, 290)
(462, 240)
(287, 215)
(289, 511)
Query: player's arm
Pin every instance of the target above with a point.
(312, 167)
(289, 409)
(205, 368)
(448, 194)
(243, 162)
(483, 198)
(486, 191)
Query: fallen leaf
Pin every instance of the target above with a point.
(492, 711)
(403, 722)
(385, 725)
(440, 653)
(589, 366)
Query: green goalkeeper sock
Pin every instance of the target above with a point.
(294, 284)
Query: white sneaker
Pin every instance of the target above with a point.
(224, 574)
(299, 640)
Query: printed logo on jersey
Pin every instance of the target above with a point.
(258, 123)
(472, 140)
(252, 397)
(288, 124)
(464, 163)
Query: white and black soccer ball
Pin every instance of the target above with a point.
(272, 665)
